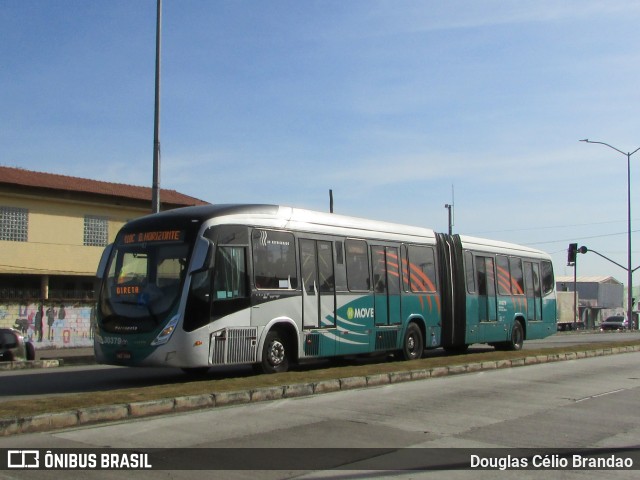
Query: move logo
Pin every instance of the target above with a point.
(359, 313)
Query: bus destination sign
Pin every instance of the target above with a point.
(150, 237)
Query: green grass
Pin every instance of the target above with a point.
(204, 385)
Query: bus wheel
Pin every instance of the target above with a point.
(275, 357)
(517, 337)
(413, 345)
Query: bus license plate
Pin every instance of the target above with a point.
(123, 355)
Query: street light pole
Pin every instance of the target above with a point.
(449, 207)
(155, 186)
(629, 269)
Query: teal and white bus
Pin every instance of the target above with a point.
(271, 286)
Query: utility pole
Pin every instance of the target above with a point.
(450, 208)
(572, 261)
(628, 268)
(155, 189)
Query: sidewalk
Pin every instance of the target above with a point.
(68, 356)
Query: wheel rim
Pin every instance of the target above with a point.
(411, 344)
(517, 337)
(276, 353)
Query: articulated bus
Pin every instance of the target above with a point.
(271, 286)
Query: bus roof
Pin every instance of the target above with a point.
(284, 217)
(495, 246)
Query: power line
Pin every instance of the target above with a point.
(581, 238)
(529, 229)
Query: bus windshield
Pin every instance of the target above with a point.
(144, 279)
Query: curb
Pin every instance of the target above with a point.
(141, 409)
(31, 364)
(47, 363)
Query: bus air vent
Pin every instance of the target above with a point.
(312, 344)
(233, 345)
(386, 339)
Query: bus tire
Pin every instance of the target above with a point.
(517, 337)
(413, 345)
(275, 355)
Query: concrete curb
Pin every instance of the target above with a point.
(131, 411)
(47, 363)
(31, 364)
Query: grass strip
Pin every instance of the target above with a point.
(67, 402)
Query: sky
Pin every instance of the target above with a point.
(399, 107)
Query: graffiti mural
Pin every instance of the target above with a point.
(51, 325)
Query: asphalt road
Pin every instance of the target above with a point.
(27, 384)
(588, 403)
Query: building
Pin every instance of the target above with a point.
(598, 298)
(53, 229)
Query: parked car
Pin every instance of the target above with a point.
(14, 347)
(616, 322)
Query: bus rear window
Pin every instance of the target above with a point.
(548, 283)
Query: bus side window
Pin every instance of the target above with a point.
(274, 260)
(421, 271)
(357, 265)
(379, 269)
(504, 277)
(517, 277)
(340, 267)
(470, 272)
(230, 281)
(198, 310)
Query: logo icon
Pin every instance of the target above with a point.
(350, 313)
(23, 459)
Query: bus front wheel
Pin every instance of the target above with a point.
(275, 356)
(413, 345)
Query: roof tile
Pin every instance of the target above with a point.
(28, 178)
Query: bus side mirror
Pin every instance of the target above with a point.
(102, 266)
(202, 251)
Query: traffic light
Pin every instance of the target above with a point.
(573, 251)
(571, 257)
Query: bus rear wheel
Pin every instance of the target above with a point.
(516, 341)
(413, 345)
(517, 337)
(275, 355)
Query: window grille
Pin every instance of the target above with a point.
(14, 224)
(96, 231)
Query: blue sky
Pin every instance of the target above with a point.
(389, 103)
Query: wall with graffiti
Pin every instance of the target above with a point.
(51, 325)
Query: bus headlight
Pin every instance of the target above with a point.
(164, 336)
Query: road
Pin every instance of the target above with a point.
(27, 384)
(587, 403)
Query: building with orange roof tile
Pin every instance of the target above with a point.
(53, 229)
